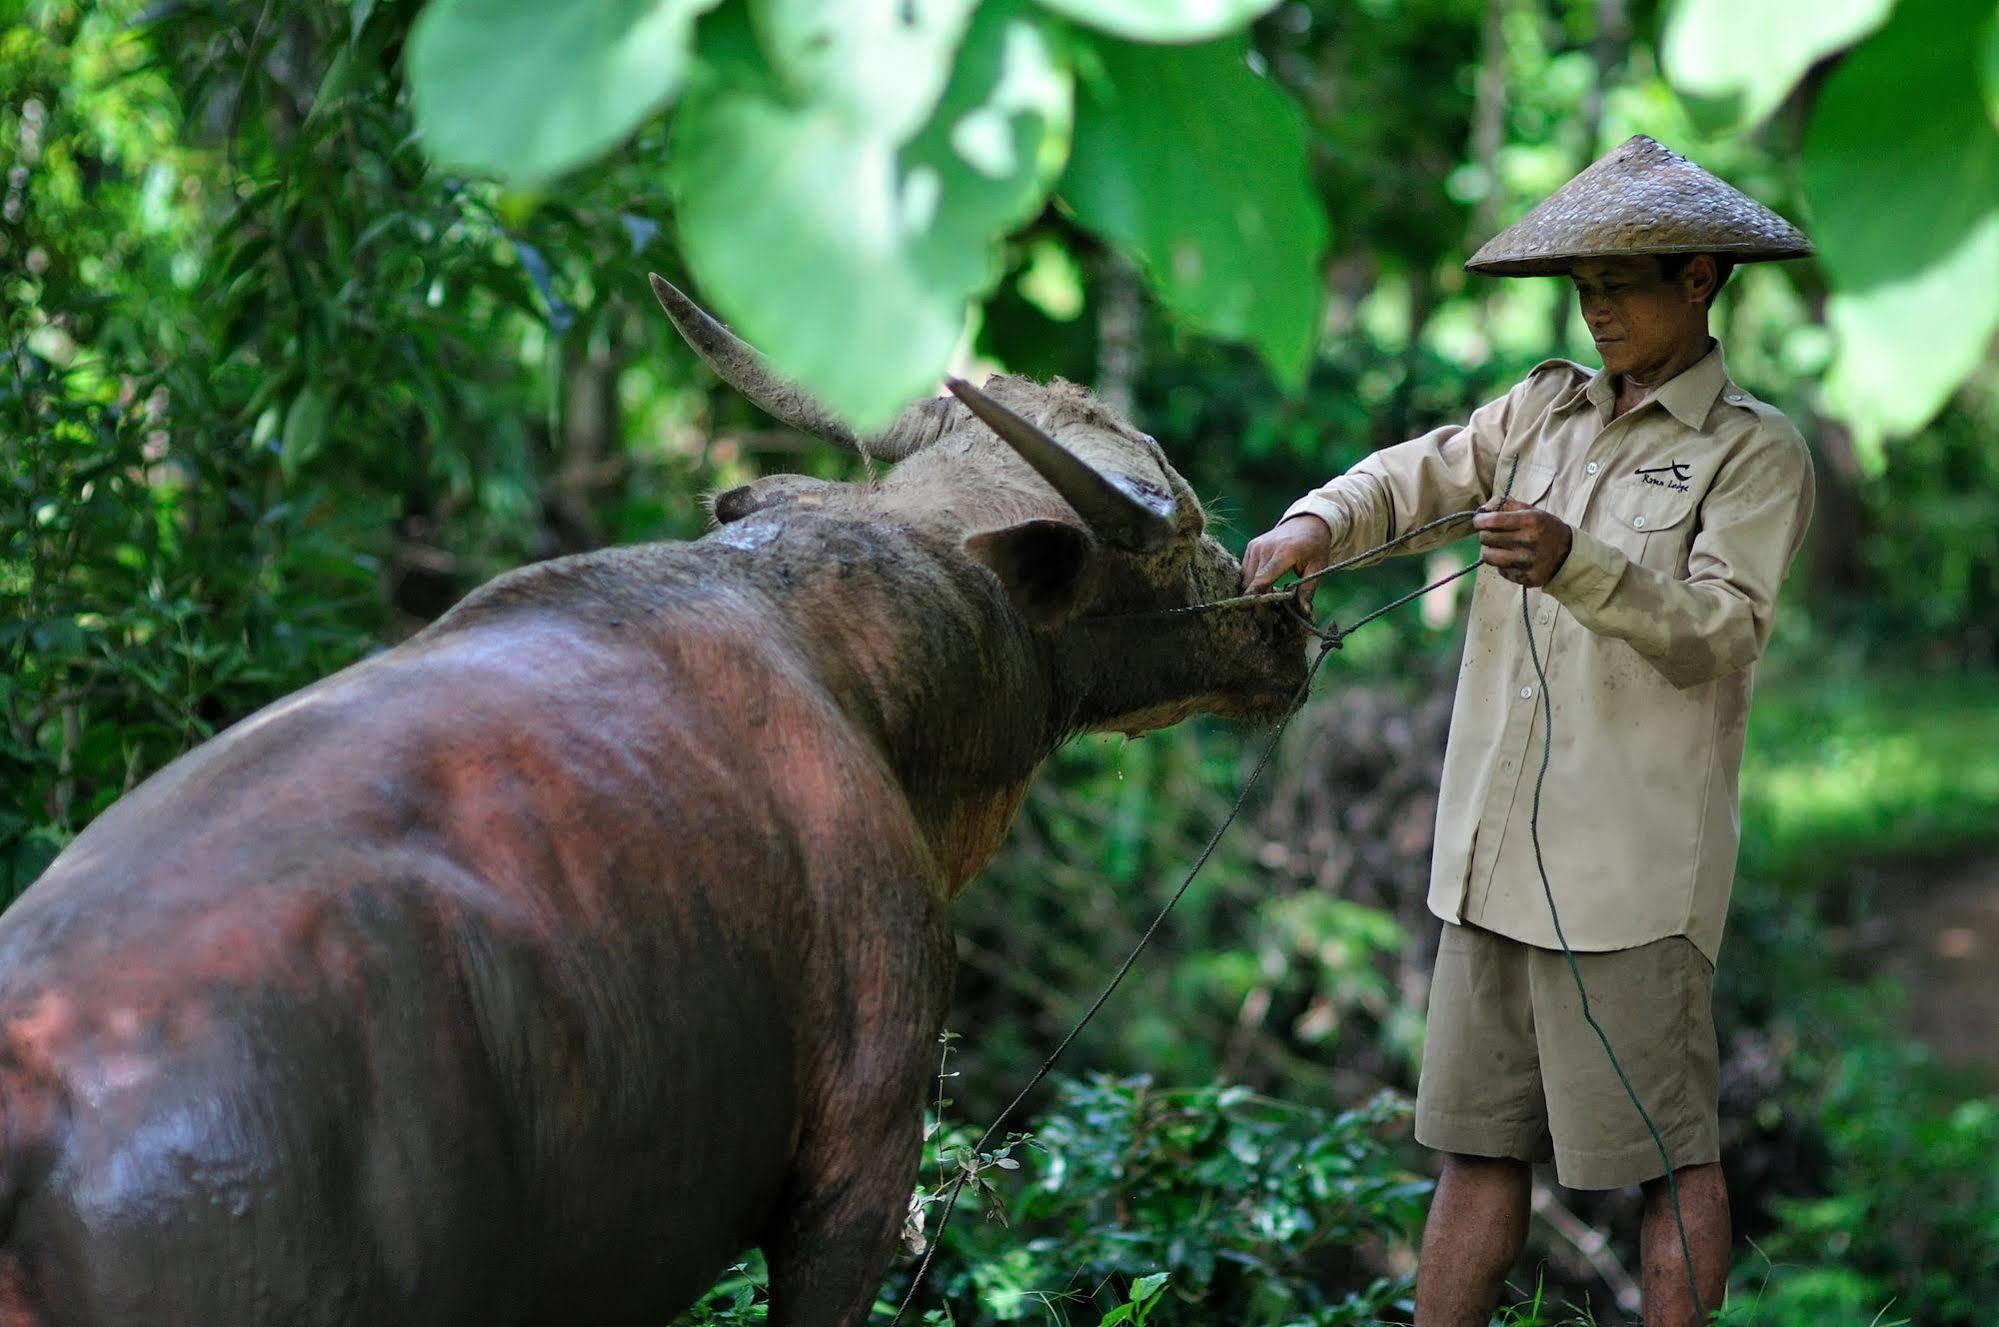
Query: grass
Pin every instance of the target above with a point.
(1846, 776)
(1855, 766)
(1847, 770)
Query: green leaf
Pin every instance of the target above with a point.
(1904, 347)
(846, 256)
(1052, 282)
(335, 84)
(1907, 216)
(993, 149)
(1163, 20)
(1196, 167)
(1744, 59)
(791, 222)
(304, 431)
(882, 63)
(1146, 1287)
(524, 90)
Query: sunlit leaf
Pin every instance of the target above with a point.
(1052, 282)
(1744, 59)
(523, 90)
(1196, 166)
(1163, 20)
(304, 431)
(1906, 345)
(846, 256)
(1906, 212)
(998, 140)
(882, 63)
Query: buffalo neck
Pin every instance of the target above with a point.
(921, 651)
(1132, 674)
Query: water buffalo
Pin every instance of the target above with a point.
(529, 971)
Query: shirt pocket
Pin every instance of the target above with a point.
(1653, 525)
(1531, 484)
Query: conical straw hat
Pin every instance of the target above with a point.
(1640, 197)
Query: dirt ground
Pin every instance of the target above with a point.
(1945, 948)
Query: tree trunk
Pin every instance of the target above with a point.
(1839, 523)
(1120, 334)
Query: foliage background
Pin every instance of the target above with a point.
(283, 379)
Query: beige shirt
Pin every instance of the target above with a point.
(1686, 511)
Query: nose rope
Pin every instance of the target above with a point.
(1331, 633)
(1330, 637)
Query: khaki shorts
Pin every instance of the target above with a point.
(1511, 1069)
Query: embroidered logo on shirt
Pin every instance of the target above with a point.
(1681, 476)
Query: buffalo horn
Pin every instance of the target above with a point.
(744, 369)
(1139, 521)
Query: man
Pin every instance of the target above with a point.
(1649, 512)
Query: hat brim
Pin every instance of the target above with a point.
(1560, 264)
(1641, 197)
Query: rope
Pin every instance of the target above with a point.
(967, 1170)
(1331, 636)
(1291, 591)
(1554, 915)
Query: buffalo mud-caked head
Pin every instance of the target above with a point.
(1093, 535)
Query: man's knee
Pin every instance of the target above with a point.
(1703, 1182)
(1483, 1200)
(1490, 1192)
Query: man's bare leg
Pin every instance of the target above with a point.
(1704, 1203)
(1476, 1229)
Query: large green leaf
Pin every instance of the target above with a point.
(1196, 166)
(1905, 346)
(1745, 58)
(524, 90)
(1163, 20)
(847, 255)
(1906, 211)
(883, 63)
(999, 138)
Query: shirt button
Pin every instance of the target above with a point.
(1526, 693)
(1590, 469)
(1638, 521)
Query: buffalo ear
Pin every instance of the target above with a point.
(770, 491)
(1043, 564)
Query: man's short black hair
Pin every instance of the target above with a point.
(1672, 264)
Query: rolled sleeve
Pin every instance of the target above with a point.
(1587, 576)
(1411, 483)
(1317, 503)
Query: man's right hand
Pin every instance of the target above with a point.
(1301, 543)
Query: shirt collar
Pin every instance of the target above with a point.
(1688, 396)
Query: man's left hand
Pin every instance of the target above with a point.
(1526, 545)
